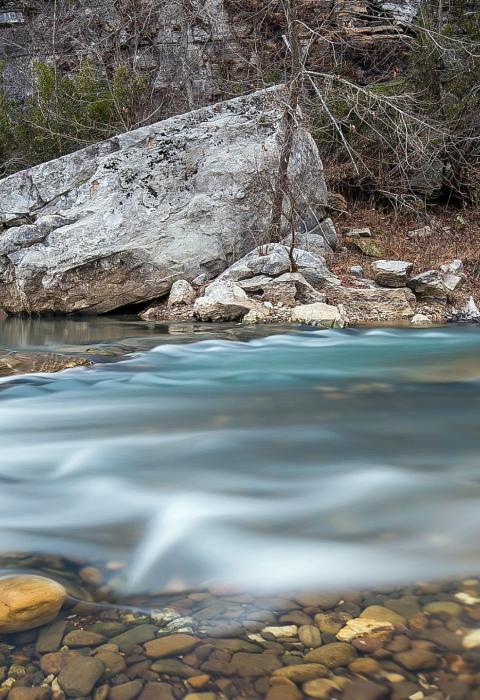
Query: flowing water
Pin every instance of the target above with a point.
(269, 458)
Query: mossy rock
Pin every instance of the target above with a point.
(367, 246)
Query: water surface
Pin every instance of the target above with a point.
(267, 458)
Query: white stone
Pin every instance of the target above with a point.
(391, 273)
(283, 632)
(356, 270)
(224, 301)
(181, 293)
(471, 640)
(451, 281)
(148, 207)
(421, 320)
(257, 315)
(466, 598)
(424, 232)
(455, 267)
(429, 284)
(363, 627)
(318, 314)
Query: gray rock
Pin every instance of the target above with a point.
(367, 305)
(139, 634)
(224, 301)
(50, 637)
(421, 320)
(273, 260)
(391, 273)
(164, 202)
(356, 271)
(78, 678)
(451, 282)
(359, 233)
(454, 267)
(424, 232)
(318, 314)
(429, 285)
(329, 232)
(181, 293)
(313, 242)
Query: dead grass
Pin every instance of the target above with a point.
(455, 234)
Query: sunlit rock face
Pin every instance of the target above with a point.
(119, 222)
(402, 10)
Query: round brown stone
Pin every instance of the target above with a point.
(28, 601)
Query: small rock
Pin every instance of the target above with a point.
(421, 320)
(172, 645)
(50, 637)
(54, 662)
(321, 688)
(27, 602)
(424, 232)
(20, 693)
(417, 660)
(318, 314)
(454, 267)
(200, 696)
(157, 691)
(181, 293)
(364, 690)
(82, 638)
(359, 233)
(280, 632)
(381, 614)
(451, 282)
(391, 273)
(126, 691)
(224, 301)
(364, 666)
(444, 607)
(363, 627)
(139, 634)
(80, 675)
(310, 636)
(356, 271)
(254, 665)
(332, 655)
(284, 692)
(471, 640)
(428, 285)
(332, 622)
(299, 673)
(174, 667)
(368, 247)
(313, 599)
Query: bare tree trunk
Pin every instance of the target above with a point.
(280, 188)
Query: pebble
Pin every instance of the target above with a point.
(331, 623)
(174, 667)
(133, 636)
(50, 637)
(172, 645)
(365, 690)
(381, 614)
(364, 666)
(444, 607)
(254, 665)
(471, 640)
(126, 691)
(363, 627)
(27, 602)
(299, 673)
(332, 655)
(284, 692)
(157, 691)
(322, 687)
(80, 675)
(417, 660)
(280, 632)
(54, 662)
(310, 636)
(318, 600)
(82, 638)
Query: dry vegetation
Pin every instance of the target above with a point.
(455, 234)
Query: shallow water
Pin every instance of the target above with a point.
(289, 459)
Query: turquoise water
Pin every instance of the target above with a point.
(295, 458)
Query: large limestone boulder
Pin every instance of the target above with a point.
(391, 273)
(119, 222)
(27, 602)
(319, 314)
